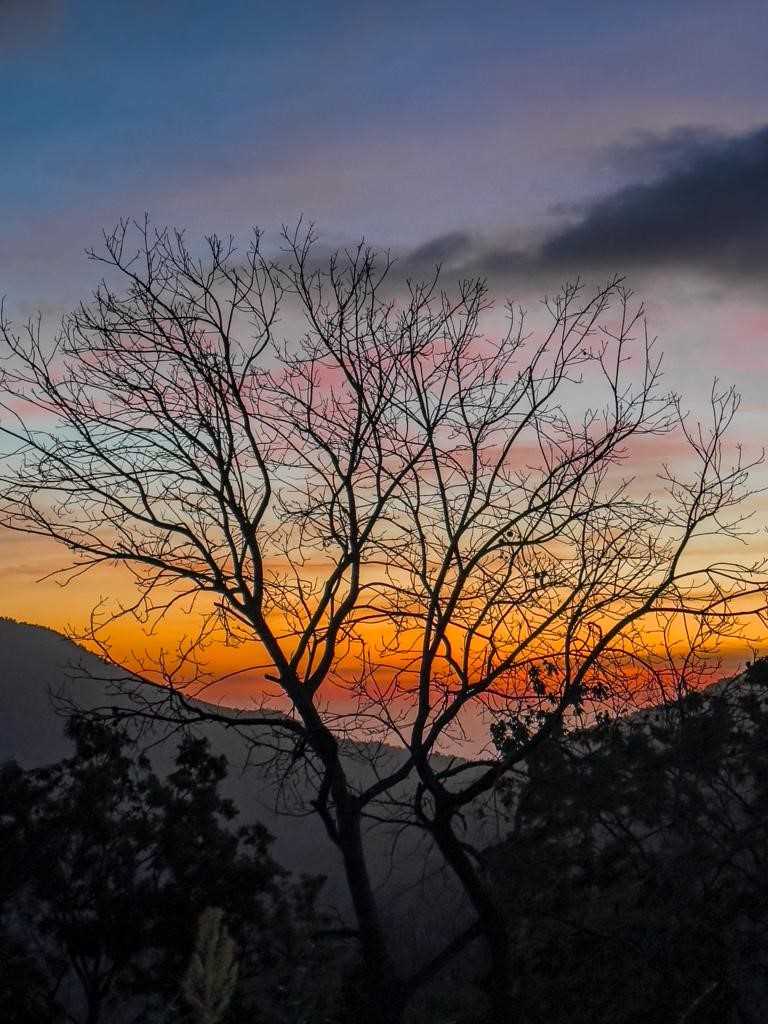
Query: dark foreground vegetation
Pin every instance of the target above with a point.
(634, 878)
(105, 871)
(636, 869)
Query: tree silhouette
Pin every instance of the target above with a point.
(407, 517)
(634, 868)
(106, 868)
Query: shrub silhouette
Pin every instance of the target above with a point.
(106, 869)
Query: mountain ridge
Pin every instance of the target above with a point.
(44, 674)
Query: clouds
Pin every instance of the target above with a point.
(704, 208)
(654, 154)
(452, 249)
(710, 213)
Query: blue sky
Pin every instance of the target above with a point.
(401, 120)
(514, 131)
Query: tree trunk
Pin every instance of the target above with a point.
(94, 1007)
(492, 921)
(377, 1000)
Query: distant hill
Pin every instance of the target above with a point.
(41, 672)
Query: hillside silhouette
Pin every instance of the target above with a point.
(631, 855)
(45, 675)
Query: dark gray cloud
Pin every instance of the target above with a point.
(710, 211)
(650, 155)
(705, 207)
(462, 252)
(447, 250)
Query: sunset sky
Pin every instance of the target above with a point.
(529, 141)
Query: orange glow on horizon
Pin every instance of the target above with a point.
(236, 673)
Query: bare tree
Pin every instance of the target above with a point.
(416, 522)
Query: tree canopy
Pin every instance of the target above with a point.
(413, 520)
